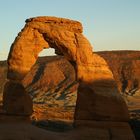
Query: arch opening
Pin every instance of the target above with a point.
(66, 37)
(52, 85)
(47, 52)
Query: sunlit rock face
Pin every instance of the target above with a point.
(40, 33)
(92, 71)
(52, 85)
(65, 36)
(125, 66)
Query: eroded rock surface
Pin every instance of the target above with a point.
(101, 107)
(3, 74)
(16, 100)
(52, 85)
(25, 131)
(125, 66)
(66, 37)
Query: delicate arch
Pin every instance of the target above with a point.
(95, 78)
(64, 35)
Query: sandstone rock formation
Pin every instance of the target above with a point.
(92, 72)
(100, 107)
(25, 131)
(52, 85)
(3, 74)
(120, 58)
(65, 36)
(16, 100)
(125, 66)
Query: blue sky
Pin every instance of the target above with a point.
(108, 24)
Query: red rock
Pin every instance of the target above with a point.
(125, 66)
(52, 85)
(16, 101)
(101, 106)
(66, 37)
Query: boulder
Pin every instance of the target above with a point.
(105, 105)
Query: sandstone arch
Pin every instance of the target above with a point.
(66, 37)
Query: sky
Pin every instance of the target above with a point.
(108, 24)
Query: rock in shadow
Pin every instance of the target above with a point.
(54, 125)
(99, 101)
(135, 125)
